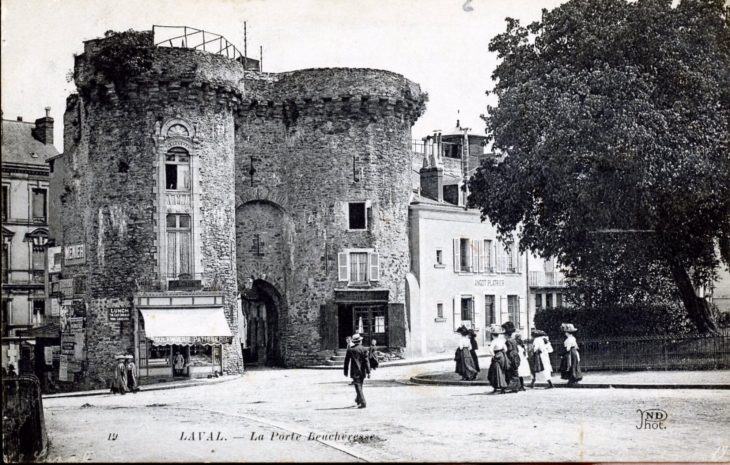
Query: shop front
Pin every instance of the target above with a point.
(181, 341)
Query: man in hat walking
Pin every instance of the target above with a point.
(356, 361)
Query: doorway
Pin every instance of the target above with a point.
(265, 345)
(370, 321)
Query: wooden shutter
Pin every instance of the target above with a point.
(457, 255)
(520, 311)
(457, 312)
(517, 262)
(329, 325)
(374, 266)
(342, 266)
(474, 256)
(482, 256)
(476, 319)
(396, 325)
(503, 309)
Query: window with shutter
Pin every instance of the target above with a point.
(465, 255)
(489, 314)
(457, 255)
(476, 322)
(503, 310)
(513, 309)
(457, 312)
(487, 266)
(474, 259)
(342, 266)
(374, 266)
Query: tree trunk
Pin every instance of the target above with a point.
(698, 309)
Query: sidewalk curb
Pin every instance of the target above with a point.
(429, 382)
(150, 387)
(398, 363)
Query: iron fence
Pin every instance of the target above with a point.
(24, 430)
(198, 39)
(680, 352)
(185, 281)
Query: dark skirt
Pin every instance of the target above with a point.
(464, 363)
(570, 366)
(475, 359)
(512, 357)
(496, 373)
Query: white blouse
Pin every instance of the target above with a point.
(498, 343)
(464, 342)
(570, 342)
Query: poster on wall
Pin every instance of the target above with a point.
(79, 346)
(76, 324)
(68, 343)
(63, 368)
(120, 314)
(66, 286)
(55, 308)
(48, 355)
(55, 259)
(56, 353)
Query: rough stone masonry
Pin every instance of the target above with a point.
(316, 140)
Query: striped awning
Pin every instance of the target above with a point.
(181, 326)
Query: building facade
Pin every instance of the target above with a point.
(25, 176)
(461, 273)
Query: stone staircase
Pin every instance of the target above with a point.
(338, 359)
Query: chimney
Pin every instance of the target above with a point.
(432, 173)
(44, 128)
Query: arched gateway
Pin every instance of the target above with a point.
(264, 310)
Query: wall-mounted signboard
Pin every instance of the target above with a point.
(120, 314)
(74, 254)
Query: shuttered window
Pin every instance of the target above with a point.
(513, 308)
(358, 267)
(178, 245)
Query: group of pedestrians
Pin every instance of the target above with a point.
(125, 375)
(511, 363)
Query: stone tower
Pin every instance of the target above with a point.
(323, 179)
(146, 209)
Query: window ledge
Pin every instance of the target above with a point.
(439, 266)
(439, 320)
(359, 285)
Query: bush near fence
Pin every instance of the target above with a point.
(638, 337)
(615, 321)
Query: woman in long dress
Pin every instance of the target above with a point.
(119, 383)
(570, 364)
(523, 370)
(464, 362)
(473, 349)
(496, 375)
(541, 358)
(131, 374)
(511, 369)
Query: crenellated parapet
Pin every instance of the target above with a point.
(329, 91)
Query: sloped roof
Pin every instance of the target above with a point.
(19, 143)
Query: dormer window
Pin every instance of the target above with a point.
(177, 170)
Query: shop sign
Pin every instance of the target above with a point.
(55, 259)
(164, 340)
(120, 314)
(74, 254)
(56, 353)
(68, 343)
(66, 286)
(55, 308)
(79, 346)
(76, 324)
(484, 282)
(185, 285)
(63, 368)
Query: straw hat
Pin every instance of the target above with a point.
(120, 357)
(568, 328)
(356, 338)
(496, 329)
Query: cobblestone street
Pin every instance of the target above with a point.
(310, 415)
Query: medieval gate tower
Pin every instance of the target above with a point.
(195, 181)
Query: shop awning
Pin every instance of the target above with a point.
(195, 326)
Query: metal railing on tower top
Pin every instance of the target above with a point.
(197, 39)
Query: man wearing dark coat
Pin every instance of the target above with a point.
(356, 361)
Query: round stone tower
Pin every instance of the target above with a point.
(323, 182)
(148, 209)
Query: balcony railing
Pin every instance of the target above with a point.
(23, 276)
(180, 282)
(546, 278)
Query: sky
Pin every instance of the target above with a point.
(435, 43)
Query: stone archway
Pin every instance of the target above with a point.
(264, 310)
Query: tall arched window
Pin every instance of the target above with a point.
(177, 170)
(178, 245)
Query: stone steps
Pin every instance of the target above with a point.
(338, 359)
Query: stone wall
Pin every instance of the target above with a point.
(320, 139)
(109, 193)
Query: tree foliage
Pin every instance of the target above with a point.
(614, 122)
(123, 55)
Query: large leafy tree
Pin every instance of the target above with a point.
(613, 123)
